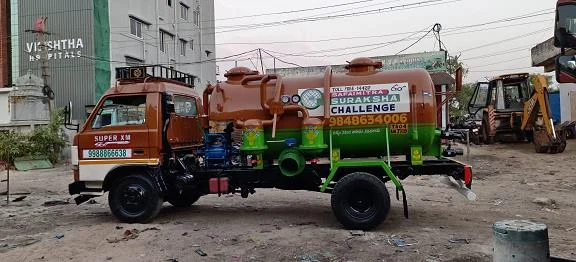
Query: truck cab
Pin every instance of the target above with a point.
(136, 126)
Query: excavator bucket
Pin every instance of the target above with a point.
(546, 144)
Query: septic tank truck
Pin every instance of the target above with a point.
(344, 134)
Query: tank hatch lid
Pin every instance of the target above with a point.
(363, 64)
(240, 72)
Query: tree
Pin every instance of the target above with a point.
(459, 104)
(453, 63)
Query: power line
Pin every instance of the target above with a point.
(509, 19)
(451, 32)
(500, 70)
(500, 62)
(308, 54)
(417, 41)
(330, 17)
(292, 11)
(508, 39)
(498, 53)
(294, 64)
(278, 13)
(222, 59)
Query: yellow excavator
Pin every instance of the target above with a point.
(510, 108)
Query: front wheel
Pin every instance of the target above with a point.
(133, 199)
(360, 201)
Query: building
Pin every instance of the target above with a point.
(433, 62)
(87, 39)
(544, 55)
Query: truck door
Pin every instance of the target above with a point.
(185, 128)
(479, 100)
(116, 132)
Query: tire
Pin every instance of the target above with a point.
(360, 201)
(184, 199)
(134, 199)
(486, 138)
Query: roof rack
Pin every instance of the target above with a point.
(154, 71)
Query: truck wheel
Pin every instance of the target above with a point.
(360, 201)
(184, 199)
(133, 199)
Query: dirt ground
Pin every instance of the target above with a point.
(275, 225)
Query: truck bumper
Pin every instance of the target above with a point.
(79, 187)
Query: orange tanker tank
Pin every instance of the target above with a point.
(359, 110)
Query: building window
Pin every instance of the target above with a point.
(131, 61)
(164, 38)
(183, 44)
(169, 2)
(135, 27)
(184, 11)
(191, 44)
(197, 16)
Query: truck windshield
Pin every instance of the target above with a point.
(121, 111)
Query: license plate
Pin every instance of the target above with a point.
(107, 153)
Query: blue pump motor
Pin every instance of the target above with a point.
(216, 150)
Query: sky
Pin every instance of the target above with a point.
(487, 50)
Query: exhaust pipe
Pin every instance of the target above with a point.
(460, 187)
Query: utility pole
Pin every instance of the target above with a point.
(261, 60)
(437, 28)
(40, 31)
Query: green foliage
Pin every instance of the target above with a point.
(42, 141)
(459, 104)
(453, 63)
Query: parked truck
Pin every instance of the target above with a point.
(345, 134)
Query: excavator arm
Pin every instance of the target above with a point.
(546, 138)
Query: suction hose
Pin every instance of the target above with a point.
(291, 162)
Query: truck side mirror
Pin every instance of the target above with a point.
(170, 108)
(566, 69)
(168, 103)
(565, 25)
(68, 118)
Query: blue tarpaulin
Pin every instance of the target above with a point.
(555, 106)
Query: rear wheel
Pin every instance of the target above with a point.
(134, 199)
(360, 201)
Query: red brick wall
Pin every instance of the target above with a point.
(5, 61)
